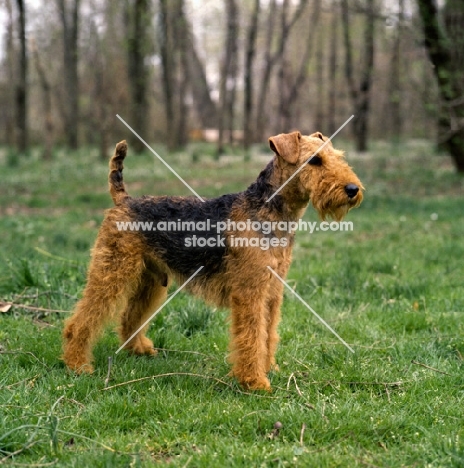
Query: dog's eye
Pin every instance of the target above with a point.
(315, 161)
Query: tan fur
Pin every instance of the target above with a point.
(129, 280)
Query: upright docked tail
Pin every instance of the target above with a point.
(116, 183)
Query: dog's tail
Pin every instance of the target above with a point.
(116, 183)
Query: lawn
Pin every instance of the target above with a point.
(392, 288)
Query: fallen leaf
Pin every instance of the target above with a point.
(4, 307)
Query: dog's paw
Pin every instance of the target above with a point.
(256, 384)
(142, 346)
(80, 367)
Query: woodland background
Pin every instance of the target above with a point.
(233, 72)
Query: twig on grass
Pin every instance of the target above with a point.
(183, 351)
(188, 461)
(48, 292)
(55, 257)
(37, 309)
(388, 393)
(332, 343)
(302, 364)
(110, 362)
(292, 376)
(24, 352)
(430, 368)
(288, 381)
(303, 427)
(36, 465)
(340, 382)
(28, 445)
(21, 381)
(189, 374)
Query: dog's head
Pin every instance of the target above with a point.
(314, 170)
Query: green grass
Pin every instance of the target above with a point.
(392, 289)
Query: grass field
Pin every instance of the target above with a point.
(392, 288)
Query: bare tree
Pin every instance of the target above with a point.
(333, 62)
(47, 103)
(250, 52)
(272, 58)
(395, 90)
(445, 49)
(69, 14)
(8, 110)
(204, 104)
(229, 70)
(21, 86)
(288, 95)
(138, 45)
(181, 33)
(320, 101)
(168, 67)
(173, 50)
(360, 92)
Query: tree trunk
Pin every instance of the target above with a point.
(167, 61)
(138, 25)
(446, 54)
(181, 33)
(182, 71)
(70, 23)
(360, 94)
(396, 116)
(288, 100)
(271, 59)
(204, 104)
(228, 76)
(47, 105)
(363, 105)
(248, 75)
(21, 86)
(9, 109)
(319, 101)
(332, 81)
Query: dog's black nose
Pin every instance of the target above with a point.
(351, 190)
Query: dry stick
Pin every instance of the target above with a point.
(303, 427)
(39, 309)
(25, 352)
(21, 381)
(332, 382)
(459, 354)
(431, 368)
(37, 465)
(297, 388)
(56, 257)
(188, 461)
(388, 393)
(184, 351)
(168, 375)
(190, 374)
(358, 345)
(17, 452)
(288, 381)
(110, 362)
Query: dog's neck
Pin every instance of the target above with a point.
(291, 201)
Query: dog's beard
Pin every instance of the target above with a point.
(335, 212)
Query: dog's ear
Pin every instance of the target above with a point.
(319, 135)
(287, 146)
